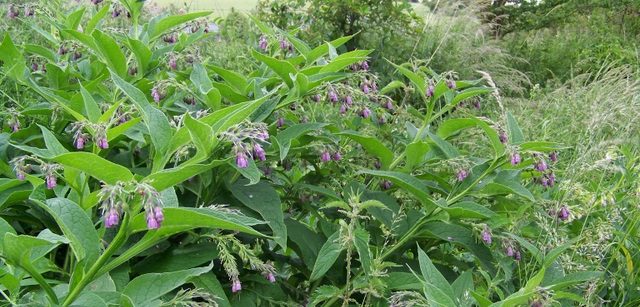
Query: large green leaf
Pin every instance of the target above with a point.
(264, 199)
(178, 258)
(453, 126)
(437, 288)
(327, 256)
(516, 136)
(91, 108)
(411, 184)
(282, 68)
(362, 246)
(372, 145)
(158, 27)
(145, 288)
(95, 166)
(285, 137)
(111, 52)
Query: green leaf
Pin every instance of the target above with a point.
(158, 28)
(418, 81)
(155, 120)
(110, 52)
(572, 279)
(72, 20)
(453, 126)
(516, 136)
(178, 258)
(438, 288)
(282, 68)
(344, 60)
(306, 242)
(264, 199)
(13, 60)
(372, 145)
(507, 185)
(201, 134)
(327, 256)
(93, 22)
(362, 246)
(91, 108)
(541, 146)
(324, 293)
(445, 147)
(395, 84)
(285, 137)
(533, 250)
(416, 153)
(469, 210)
(200, 79)
(250, 172)
(210, 283)
(463, 285)
(95, 166)
(52, 143)
(169, 177)
(235, 79)
(182, 219)
(142, 53)
(323, 49)
(74, 223)
(148, 287)
(411, 184)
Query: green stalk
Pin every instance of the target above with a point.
(119, 239)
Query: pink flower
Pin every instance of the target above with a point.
(365, 87)
(541, 166)
(365, 113)
(173, 63)
(112, 218)
(388, 105)
(157, 213)
(336, 156)
(325, 156)
(262, 43)
(271, 278)
(503, 137)
(348, 100)
(451, 84)
(80, 142)
(364, 65)
(15, 126)
(386, 184)
(333, 96)
(280, 122)
(343, 109)
(152, 223)
(510, 251)
(515, 158)
(553, 156)
(20, 174)
(430, 91)
(51, 181)
(564, 213)
(236, 286)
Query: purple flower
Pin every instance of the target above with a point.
(365, 87)
(462, 175)
(515, 158)
(517, 256)
(336, 156)
(12, 13)
(374, 86)
(173, 64)
(563, 214)
(80, 142)
(15, 126)
(241, 160)
(430, 90)
(377, 164)
(365, 113)
(112, 218)
(76, 55)
(476, 104)
(503, 137)
(262, 43)
(325, 156)
(271, 278)
(34, 66)
(451, 84)
(169, 39)
(152, 223)
(96, 2)
(236, 286)
(158, 215)
(20, 174)
(388, 105)
(258, 152)
(28, 11)
(155, 93)
(284, 45)
(62, 50)
(348, 100)
(551, 179)
(333, 96)
(364, 65)
(510, 251)
(541, 166)
(115, 13)
(51, 181)
(553, 156)
(280, 122)
(343, 109)
(386, 184)
(486, 235)
(316, 97)
(103, 143)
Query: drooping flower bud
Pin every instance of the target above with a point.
(284, 45)
(365, 87)
(333, 96)
(80, 141)
(12, 13)
(517, 256)
(451, 84)
(171, 38)
(316, 97)
(563, 214)
(377, 164)
(348, 100)
(112, 218)
(34, 66)
(503, 137)
(262, 43)
(241, 159)
(486, 235)
(280, 122)
(382, 120)
(173, 63)
(258, 152)
(386, 184)
(158, 214)
(336, 156)
(510, 251)
(133, 70)
(430, 90)
(388, 105)
(152, 223)
(156, 94)
(553, 156)
(343, 109)
(51, 181)
(20, 174)
(28, 11)
(15, 126)
(271, 278)
(236, 286)
(461, 175)
(541, 166)
(365, 113)
(364, 65)
(325, 156)
(515, 158)
(103, 143)
(76, 55)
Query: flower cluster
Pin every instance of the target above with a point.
(547, 178)
(115, 199)
(80, 137)
(49, 170)
(246, 139)
(152, 204)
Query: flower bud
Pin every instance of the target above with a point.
(333, 96)
(503, 137)
(515, 158)
(280, 122)
(462, 175)
(510, 251)
(241, 160)
(173, 64)
(258, 152)
(386, 184)
(262, 43)
(236, 286)
(336, 156)
(365, 113)
(271, 278)
(103, 143)
(325, 156)
(486, 235)
(553, 156)
(430, 91)
(51, 181)
(563, 214)
(451, 84)
(541, 166)
(364, 66)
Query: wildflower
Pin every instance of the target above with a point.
(462, 175)
(553, 156)
(189, 100)
(374, 86)
(34, 66)
(551, 179)
(364, 66)
(103, 143)
(12, 13)
(510, 251)
(503, 137)
(377, 164)
(80, 139)
(258, 152)
(169, 38)
(62, 50)
(386, 184)
(365, 87)
(336, 156)
(517, 256)
(541, 166)
(76, 55)
(152, 223)
(343, 109)
(112, 218)
(133, 70)
(158, 214)
(96, 2)
(451, 84)
(115, 13)
(20, 174)
(28, 11)
(316, 97)
(365, 113)
(382, 120)
(563, 214)
(271, 278)
(156, 94)
(262, 43)
(241, 159)
(236, 286)
(280, 122)
(173, 64)
(333, 96)
(486, 235)
(348, 100)
(430, 90)
(15, 126)
(325, 156)
(476, 104)
(388, 105)
(515, 158)
(51, 181)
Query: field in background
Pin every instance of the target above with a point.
(220, 7)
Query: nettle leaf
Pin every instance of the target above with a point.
(437, 288)
(264, 199)
(146, 288)
(327, 256)
(155, 120)
(324, 293)
(74, 222)
(372, 145)
(285, 137)
(362, 246)
(95, 166)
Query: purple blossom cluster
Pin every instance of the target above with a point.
(48, 170)
(80, 138)
(247, 139)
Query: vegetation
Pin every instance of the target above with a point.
(320, 153)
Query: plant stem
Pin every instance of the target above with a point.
(120, 238)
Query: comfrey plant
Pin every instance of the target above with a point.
(337, 190)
